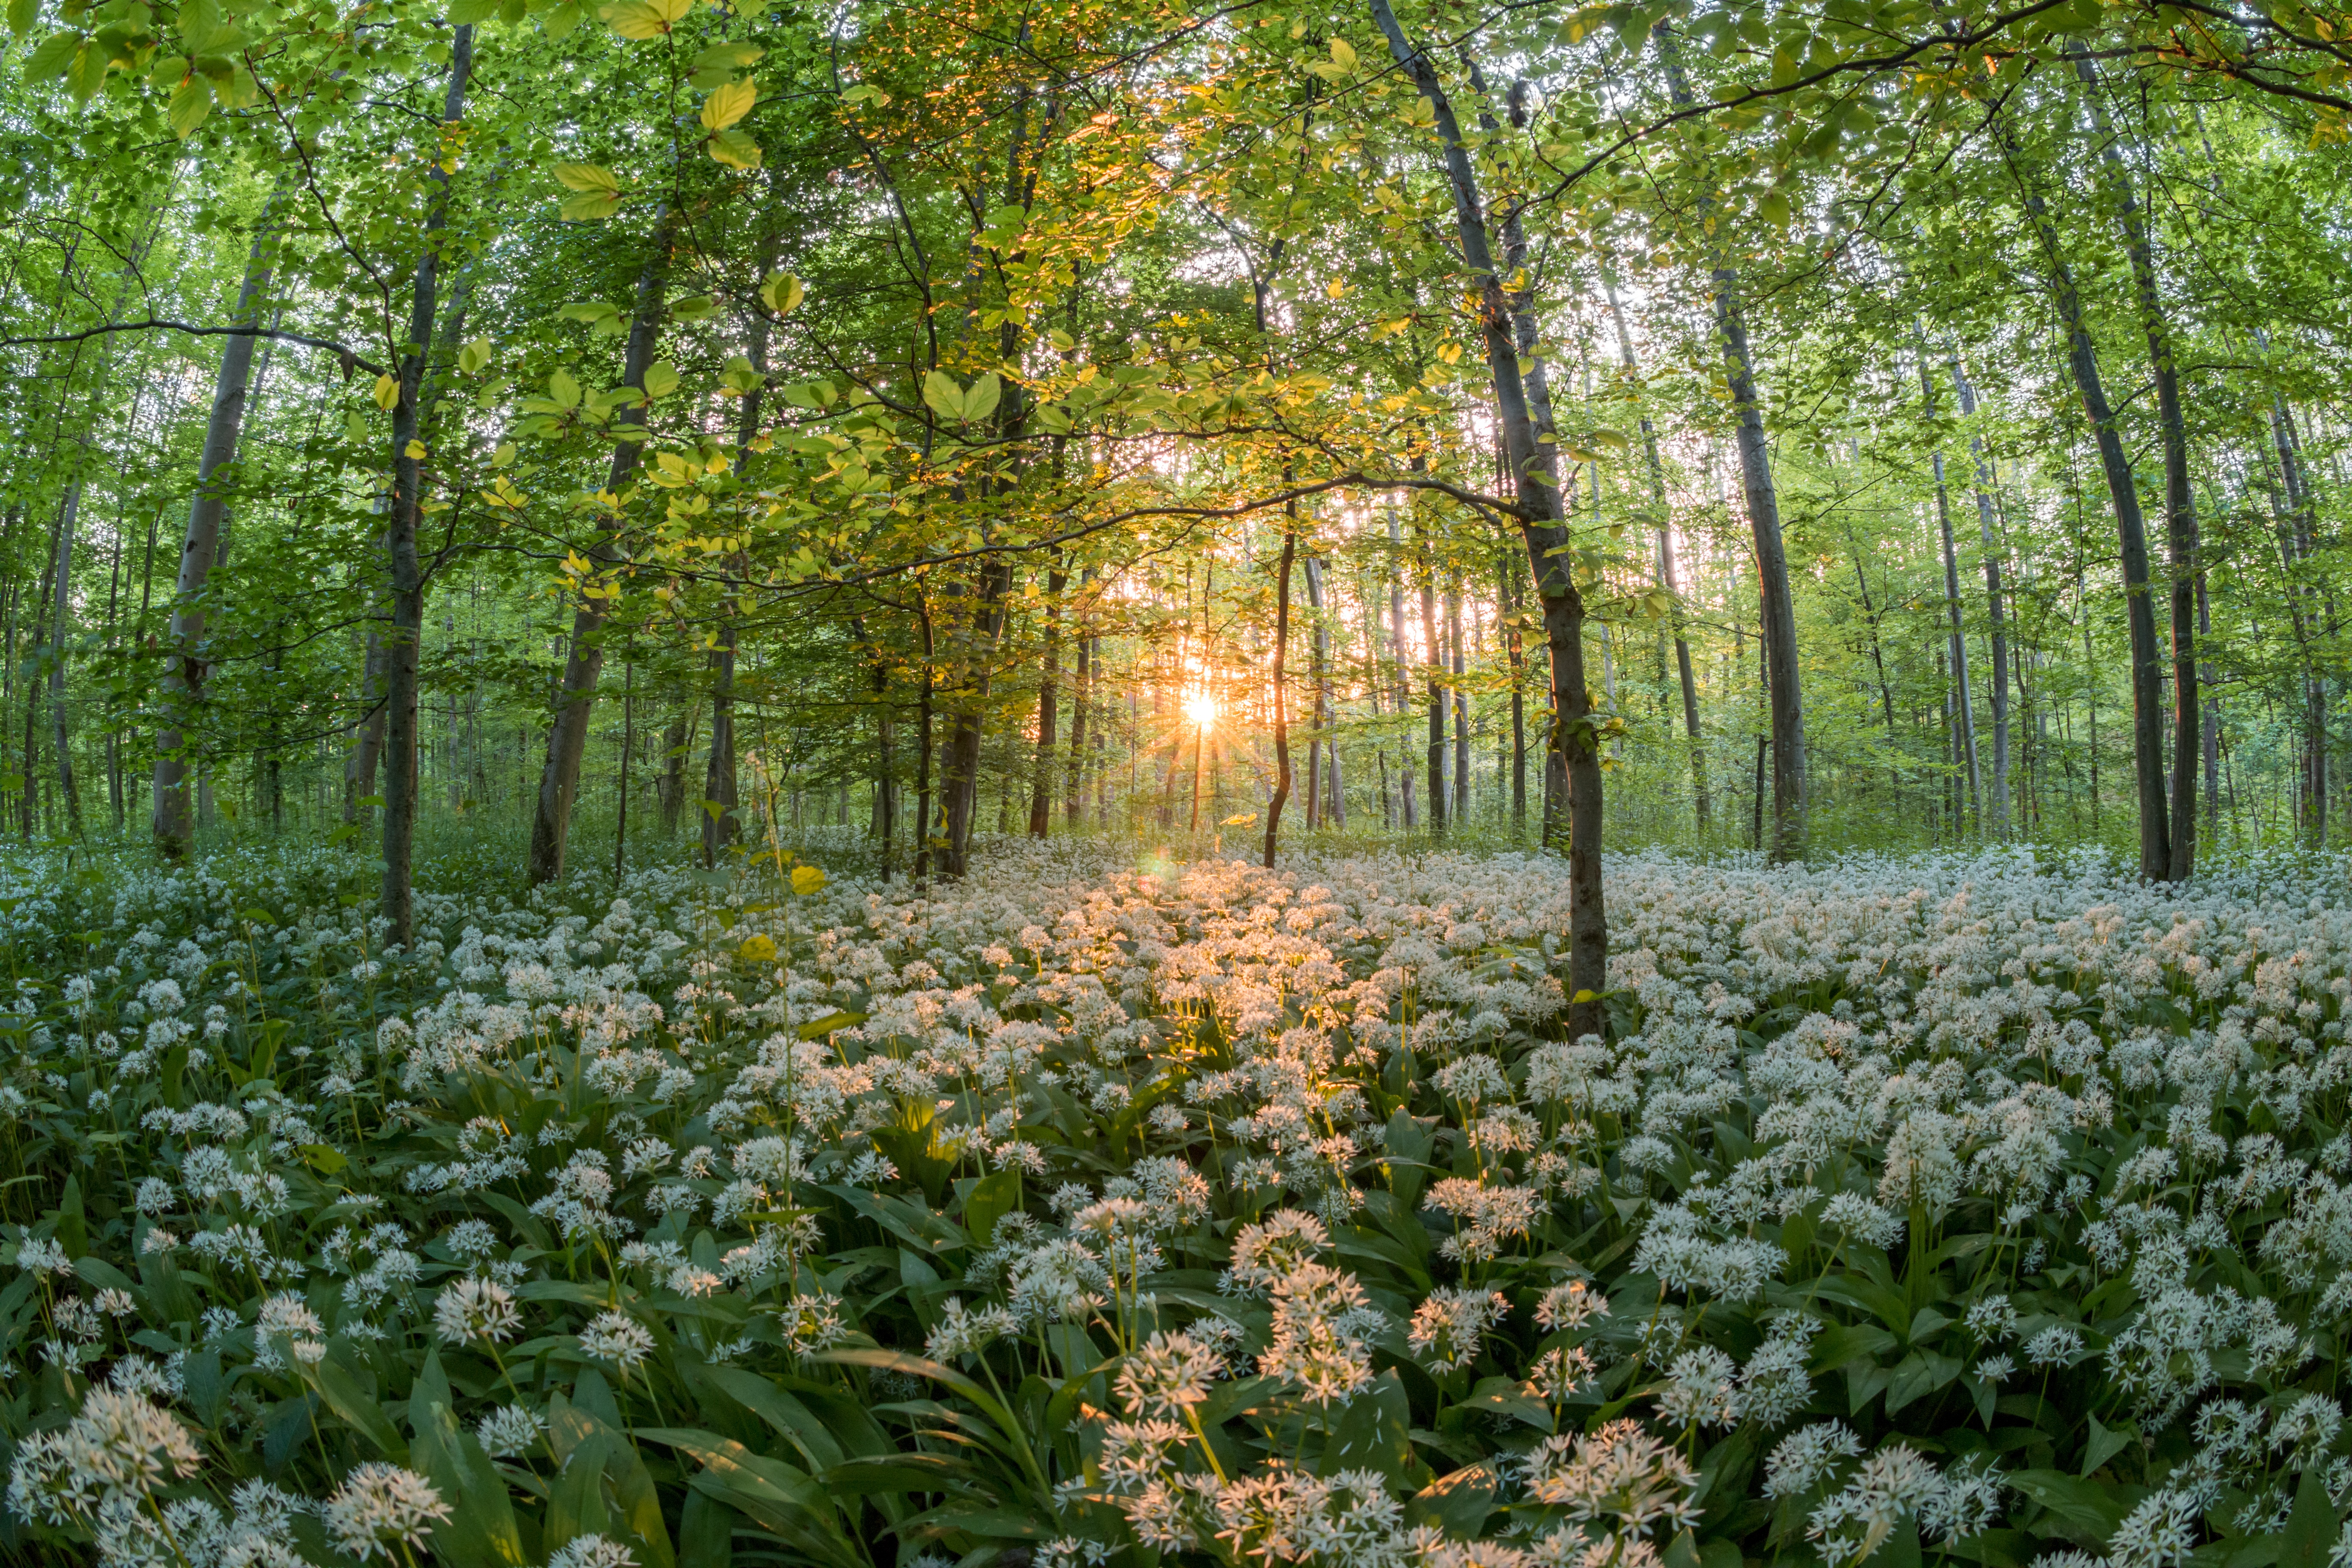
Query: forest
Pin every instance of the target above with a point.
(1108, 784)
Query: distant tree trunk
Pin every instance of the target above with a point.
(1396, 648)
(1657, 470)
(367, 738)
(1507, 599)
(2131, 535)
(1461, 706)
(1434, 652)
(675, 741)
(403, 644)
(923, 750)
(1779, 617)
(1074, 797)
(1330, 799)
(59, 612)
(1523, 411)
(2179, 498)
(183, 685)
(567, 739)
(1281, 695)
(1989, 536)
(1049, 699)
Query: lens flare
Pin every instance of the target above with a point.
(1201, 709)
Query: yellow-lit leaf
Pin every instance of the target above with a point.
(728, 103)
(586, 177)
(1343, 54)
(781, 293)
(807, 880)
(734, 148)
(415, 450)
(387, 394)
(756, 949)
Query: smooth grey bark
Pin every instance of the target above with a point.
(2131, 536)
(1281, 693)
(1777, 609)
(402, 643)
(567, 738)
(60, 611)
(1988, 534)
(2180, 496)
(1405, 805)
(1049, 703)
(1523, 412)
(183, 684)
(1657, 472)
(1433, 653)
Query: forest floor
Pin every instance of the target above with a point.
(1098, 1205)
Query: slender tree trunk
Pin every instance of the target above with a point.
(60, 611)
(1959, 636)
(1777, 617)
(1433, 653)
(1406, 803)
(923, 749)
(1997, 690)
(1461, 707)
(402, 643)
(1506, 598)
(1281, 693)
(183, 685)
(2179, 498)
(567, 739)
(1074, 791)
(2131, 534)
(1523, 410)
(1049, 696)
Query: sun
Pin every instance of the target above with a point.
(1201, 709)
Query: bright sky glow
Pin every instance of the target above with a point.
(1201, 707)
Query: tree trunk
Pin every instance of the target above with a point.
(2131, 535)
(68, 514)
(1281, 695)
(402, 643)
(1073, 790)
(1049, 699)
(2179, 500)
(1523, 410)
(1989, 538)
(1405, 805)
(183, 684)
(1461, 707)
(1777, 613)
(567, 739)
(1434, 652)
(1657, 473)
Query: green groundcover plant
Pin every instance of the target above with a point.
(1086, 1213)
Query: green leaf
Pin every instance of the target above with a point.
(734, 148)
(22, 15)
(661, 379)
(341, 1388)
(323, 1158)
(472, 13)
(51, 56)
(782, 291)
(2089, 1512)
(992, 1198)
(2310, 1535)
(1457, 1504)
(2105, 1445)
(942, 395)
(980, 400)
(779, 1498)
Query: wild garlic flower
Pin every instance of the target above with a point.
(1167, 1376)
(509, 1430)
(617, 1337)
(381, 1506)
(475, 1309)
(1620, 1477)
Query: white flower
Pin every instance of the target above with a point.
(592, 1551)
(617, 1337)
(475, 1309)
(380, 1506)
